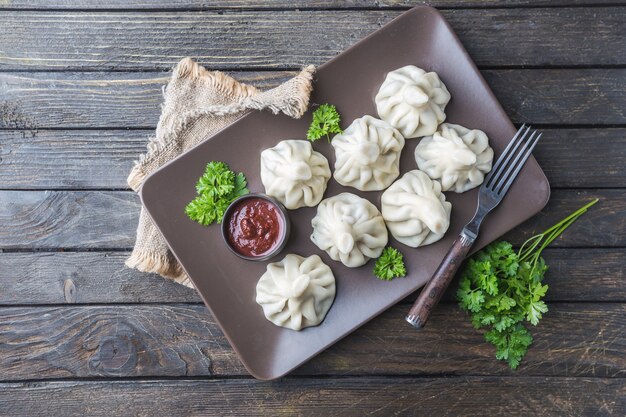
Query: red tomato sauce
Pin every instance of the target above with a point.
(255, 227)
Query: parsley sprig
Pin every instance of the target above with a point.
(216, 189)
(502, 288)
(390, 265)
(326, 120)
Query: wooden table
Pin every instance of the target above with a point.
(80, 89)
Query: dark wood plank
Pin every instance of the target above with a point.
(47, 219)
(605, 222)
(184, 340)
(282, 4)
(107, 219)
(570, 157)
(69, 158)
(101, 277)
(99, 159)
(563, 97)
(85, 277)
(279, 39)
(93, 99)
(475, 396)
(120, 100)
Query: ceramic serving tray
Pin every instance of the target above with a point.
(227, 284)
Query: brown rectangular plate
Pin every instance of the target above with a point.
(227, 284)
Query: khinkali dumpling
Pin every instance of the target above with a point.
(296, 292)
(368, 154)
(413, 101)
(415, 210)
(294, 174)
(350, 229)
(456, 156)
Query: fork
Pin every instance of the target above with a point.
(490, 194)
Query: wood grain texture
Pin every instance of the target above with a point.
(107, 219)
(476, 396)
(95, 277)
(565, 97)
(101, 277)
(69, 158)
(605, 222)
(281, 4)
(87, 159)
(569, 157)
(280, 39)
(45, 219)
(39, 100)
(184, 340)
(120, 100)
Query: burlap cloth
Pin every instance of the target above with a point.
(197, 104)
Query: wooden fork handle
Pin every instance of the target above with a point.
(434, 289)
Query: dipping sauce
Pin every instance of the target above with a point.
(255, 227)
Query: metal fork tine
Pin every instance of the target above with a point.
(511, 163)
(506, 150)
(530, 145)
(506, 156)
(508, 147)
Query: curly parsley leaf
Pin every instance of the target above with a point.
(502, 288)
(511, 344)
(390, 265)
(534, 311)
(240, 187)
(216, 189)
(216, 181)
(326, 120)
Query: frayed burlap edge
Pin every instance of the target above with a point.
(250, 101)
(157, 263)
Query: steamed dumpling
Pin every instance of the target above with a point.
(368, 154)
(296, 292)
(456, 156)
(350, 229)
(415, 210)
(294, 174)
(413, 101)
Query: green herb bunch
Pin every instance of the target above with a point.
(216, 189)
(502, 289)
(326, 120)
(390, 265)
